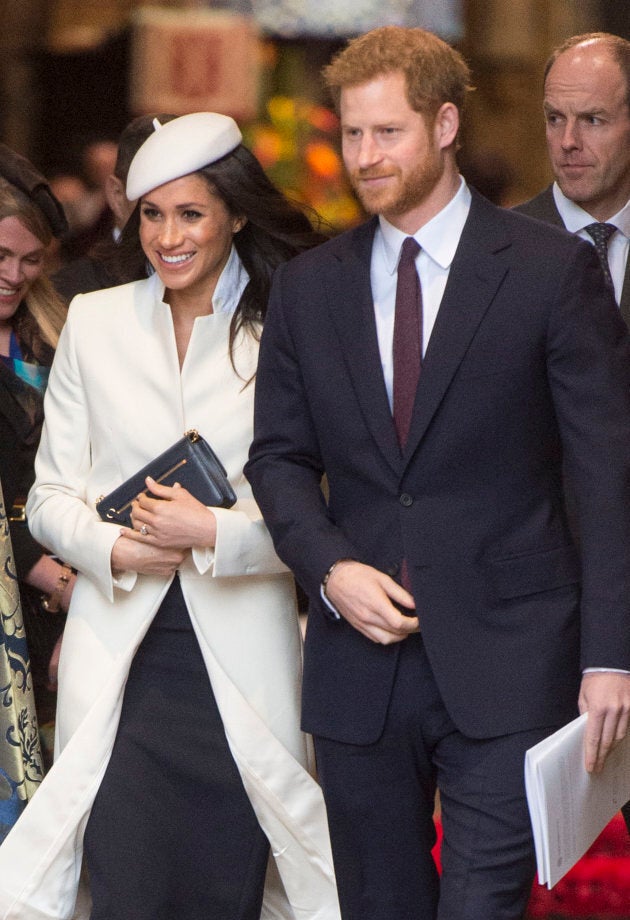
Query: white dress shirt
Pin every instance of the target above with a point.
(438, 239)
(575, 219)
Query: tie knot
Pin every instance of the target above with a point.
(600, 232)
(410, 249)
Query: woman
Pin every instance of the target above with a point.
(31, 318)
(182, 781)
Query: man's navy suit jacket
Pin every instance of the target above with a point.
(527, 368)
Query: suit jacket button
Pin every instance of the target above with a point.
(406, 500)
(393, 569)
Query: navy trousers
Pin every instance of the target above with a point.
(172, 832)
(380, 800)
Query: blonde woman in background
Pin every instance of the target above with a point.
(31, 318)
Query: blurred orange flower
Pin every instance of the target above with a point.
(322, 160)
(266, 145)
(296, 145)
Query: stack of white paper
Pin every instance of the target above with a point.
(568, 806)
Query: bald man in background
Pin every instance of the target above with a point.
(587, 116)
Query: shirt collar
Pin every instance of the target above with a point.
(439, 237)
(232, 282)
(576, 218)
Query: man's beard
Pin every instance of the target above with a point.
(398, 197)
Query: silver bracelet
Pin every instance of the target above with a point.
(331, 570)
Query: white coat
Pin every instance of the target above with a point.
(116, 399)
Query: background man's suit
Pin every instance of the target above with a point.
(528, 362)
(543, 207)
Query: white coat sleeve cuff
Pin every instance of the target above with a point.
(243, 545)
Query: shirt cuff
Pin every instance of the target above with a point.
(333, 610)
(125, 581)
(203, 558)
(604, 671)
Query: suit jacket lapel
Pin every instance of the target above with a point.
(478, 268)
(624, 303)
(352, 310)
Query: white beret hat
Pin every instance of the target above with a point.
(180, 147)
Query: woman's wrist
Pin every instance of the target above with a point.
(59, 598)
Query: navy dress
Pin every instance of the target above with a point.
(172, 832)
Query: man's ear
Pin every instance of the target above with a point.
(446, 124)
(118, 202)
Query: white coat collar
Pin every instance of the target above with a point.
(232, 282)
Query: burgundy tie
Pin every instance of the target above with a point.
(407, 350)
(407, 344)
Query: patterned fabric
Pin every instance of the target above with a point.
(21, 768)
(24, 383)
(601, 233)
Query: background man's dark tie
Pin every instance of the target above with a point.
(601, 233)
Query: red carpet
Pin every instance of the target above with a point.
(598, 886)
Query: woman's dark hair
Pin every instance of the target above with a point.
(275, 230)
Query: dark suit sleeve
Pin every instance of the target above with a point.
(26, 550)
(285, 466)
(16, 475)
(588, 364)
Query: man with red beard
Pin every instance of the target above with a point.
(587, 116)
(438, 364)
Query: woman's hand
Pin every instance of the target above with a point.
(46, 575)
(174, 519)
(130, 554)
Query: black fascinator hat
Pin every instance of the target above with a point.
(21, 173)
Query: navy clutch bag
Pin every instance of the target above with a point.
(191, 462)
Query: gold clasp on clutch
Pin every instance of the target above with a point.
(172, 470)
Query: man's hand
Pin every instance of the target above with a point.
(605, 695)
(365, 597)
